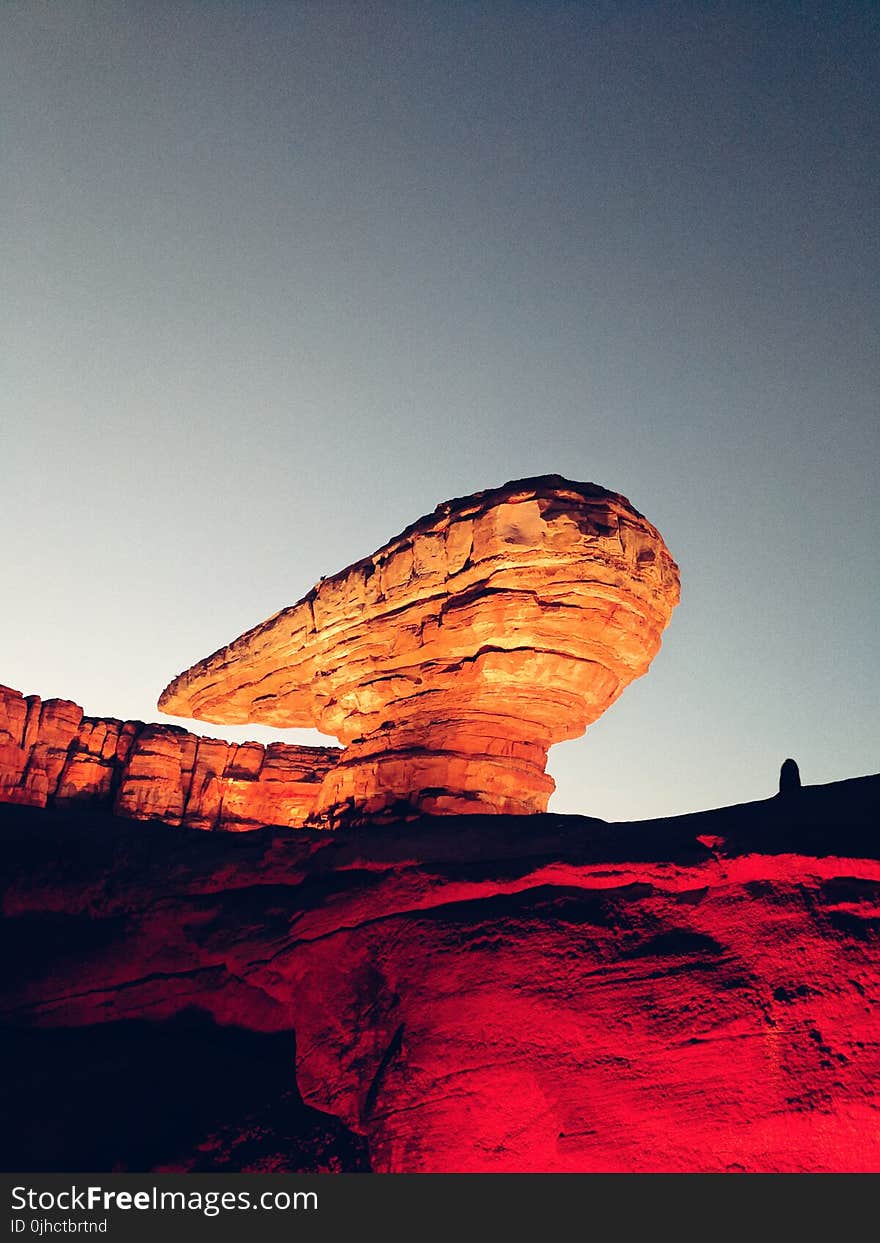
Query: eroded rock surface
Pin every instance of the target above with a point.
(52, 754)
(524, 994)
(450, 660)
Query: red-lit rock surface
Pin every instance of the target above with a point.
(51, 754)
(450, 660)
(542, 993)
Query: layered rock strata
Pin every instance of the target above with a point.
(52, 754)
(449, 661)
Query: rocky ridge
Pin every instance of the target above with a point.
(52, 754)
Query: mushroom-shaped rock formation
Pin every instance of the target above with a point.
(449, 661)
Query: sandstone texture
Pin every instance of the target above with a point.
(531, 994)
(52, 754)
(449, 661)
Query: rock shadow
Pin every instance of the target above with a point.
(181, 1094)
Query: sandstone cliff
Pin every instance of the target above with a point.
(524, 994)
(52, 754)
(449, 661)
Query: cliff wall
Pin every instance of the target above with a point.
(489, 993)
(52, 754)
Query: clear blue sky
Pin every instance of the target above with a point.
(278, 278)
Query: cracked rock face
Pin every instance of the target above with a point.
(449, 661)
(51, 754)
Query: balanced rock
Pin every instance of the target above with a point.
(51, 754)
(450, 660)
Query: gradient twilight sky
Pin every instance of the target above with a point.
(280, 277)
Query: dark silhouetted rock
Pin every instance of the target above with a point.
(789, 777)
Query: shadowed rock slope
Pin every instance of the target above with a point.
(506, 993)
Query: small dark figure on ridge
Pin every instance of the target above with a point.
(789, 777)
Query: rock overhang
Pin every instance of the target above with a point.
(450, 659)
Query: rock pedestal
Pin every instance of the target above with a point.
(450, 660)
